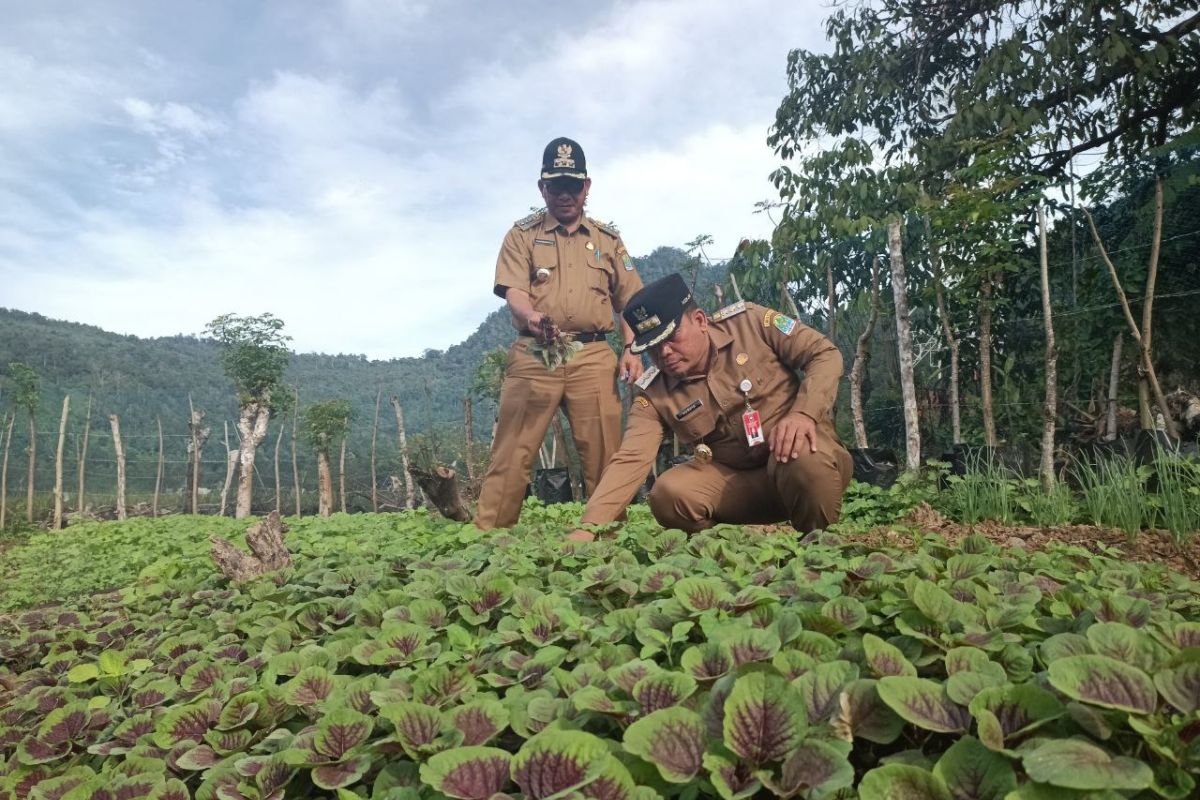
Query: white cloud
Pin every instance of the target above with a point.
(362, 204)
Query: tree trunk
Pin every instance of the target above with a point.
(252, 430)
(861, 355)
(278, 482)
(158, 476)
(409, 499)
(1148, 378)
(342, 473)
(32, 463)
(737, 291)
(939, 293)
(374, 439)
(198, 437)
(4, 472)
(324, 481)
(560, 444)
(985, 362)
(1050, 409)
(441, 488)
(1114, 380)
(80, 497)
(268, 553)
(231, 460)
(469, 438)
(831, 300)
(912, 428)
(295, 467)
(119, 449)
(58, 464)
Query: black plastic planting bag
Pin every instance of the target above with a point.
(553, 485)
(875, 465)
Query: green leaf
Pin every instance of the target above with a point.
(662, 689)
(83, 673)
(902, 782)
(1180, 686)
(765, 718)
(672, 739)
(1077, 764)
(468, 773)
(885, 659)
(821, 686)
(1010, 711)
(818, 768)
(732, 779)
(1105, 682)
(934, 602)
(556, 762)
(971, 770)
(861, 714)
(924, 703)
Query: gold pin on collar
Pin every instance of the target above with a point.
(590, 246)
(704, 453)
(741, 359)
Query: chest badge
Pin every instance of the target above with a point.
(741, 359)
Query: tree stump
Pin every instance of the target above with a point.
(268, 553)
(441, 489)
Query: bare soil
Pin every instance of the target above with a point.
(1154, 547)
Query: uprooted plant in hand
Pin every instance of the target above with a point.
(554, 347)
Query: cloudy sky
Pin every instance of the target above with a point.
(352, 165)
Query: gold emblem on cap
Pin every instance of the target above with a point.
(647, 324)
(741, 359)
(704, 453)
(564, 157)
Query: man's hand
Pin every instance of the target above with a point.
(542, 327)
(791, 434)
(630, 367)
(580, 535)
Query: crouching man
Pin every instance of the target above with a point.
(765, 447)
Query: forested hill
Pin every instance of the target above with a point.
(145, 379)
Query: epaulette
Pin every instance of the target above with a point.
(525, 223)
(647, 378)
(729, 311)
(607, 227)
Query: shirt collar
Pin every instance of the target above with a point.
(549, 223)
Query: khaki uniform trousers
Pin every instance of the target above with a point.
(530, 396)
(807, 491)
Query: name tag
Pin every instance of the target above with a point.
(694, 406)
(544, 241)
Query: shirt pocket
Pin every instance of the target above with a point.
(545, 263)
(600, 279)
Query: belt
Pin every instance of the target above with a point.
(586, 338)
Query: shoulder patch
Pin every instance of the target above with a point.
(607, 227)
(525, 223)
(647, 378)
(729, 311)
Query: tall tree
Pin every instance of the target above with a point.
(8, 432)
(324, 424)
(58, 464)
(254, 355)
(26, 394)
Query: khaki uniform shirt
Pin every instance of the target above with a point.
(748, 342)
(591, 275)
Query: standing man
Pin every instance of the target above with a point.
(565, 266)
(765, 445)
